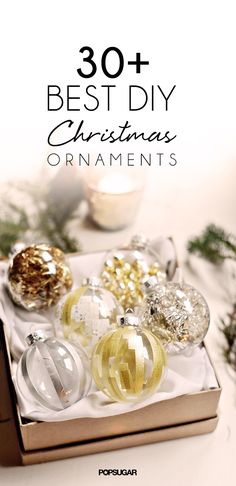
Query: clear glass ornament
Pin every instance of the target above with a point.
(128, 363)
(176, 313)
(38, 276)
(125, 268)
(53, 371)
(87, 313)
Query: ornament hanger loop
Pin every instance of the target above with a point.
(139, 241)
(128, 319)
(92, 282)
(35, 336)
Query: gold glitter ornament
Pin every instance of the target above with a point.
(38, 276)
(176, 313)
(125, 269)
(128, 363)
(86, 313)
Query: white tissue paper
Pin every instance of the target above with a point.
(186, 373)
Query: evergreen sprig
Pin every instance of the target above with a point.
(13, 225)
(35, 212)
(228, 327)
(214, 244)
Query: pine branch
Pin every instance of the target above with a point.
(10, 232)
(228, 327)
(42, 212)
(215, 245)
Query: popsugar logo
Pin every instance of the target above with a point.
(117, 472)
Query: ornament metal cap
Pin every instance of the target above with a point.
(35, 336)
(139, 241)
(118, 256)
(16, 248)
(92, 282)
(128, 319)
(149, 283)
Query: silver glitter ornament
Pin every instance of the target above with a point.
(176, 313)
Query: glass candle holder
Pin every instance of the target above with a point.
(113, 197)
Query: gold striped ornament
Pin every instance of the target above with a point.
(128, 363)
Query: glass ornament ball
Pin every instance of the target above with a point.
(53, 371)
(126, 267)
(176, 313)
(128, 363)
(86, 313)
(38, 276)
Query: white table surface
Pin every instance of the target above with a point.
(204, 460)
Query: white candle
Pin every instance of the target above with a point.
(114, 200)
(115, 184)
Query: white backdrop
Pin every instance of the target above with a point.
(192, 45)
